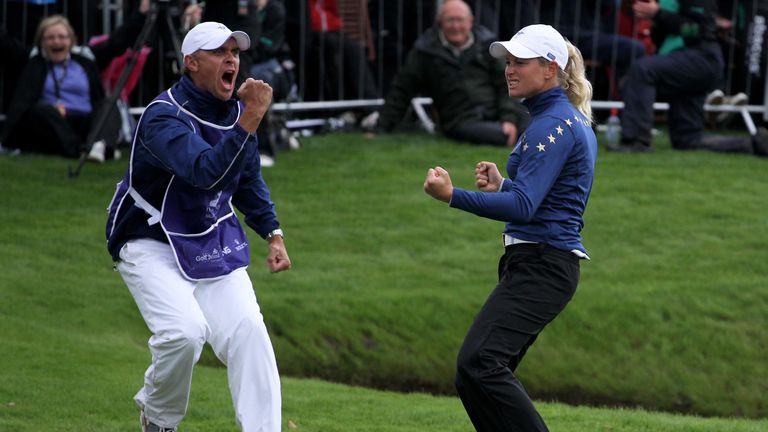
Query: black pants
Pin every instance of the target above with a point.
(684, 78)
(43, 130)
(479, 132)
(535, 283)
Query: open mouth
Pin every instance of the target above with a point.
(228, 79)
(56, 51)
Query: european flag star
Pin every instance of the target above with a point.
(540, 147)
(568, 122)
(559, 130)
(551, 138)
(525, 146)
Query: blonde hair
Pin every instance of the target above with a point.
(50, 22)
(574, 81)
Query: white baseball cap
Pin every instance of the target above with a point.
(537, 40)
(211, 35)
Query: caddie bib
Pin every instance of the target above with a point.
(202, 228)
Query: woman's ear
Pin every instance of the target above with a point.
(552, 68)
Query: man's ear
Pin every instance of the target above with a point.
(190, 63)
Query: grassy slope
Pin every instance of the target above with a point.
(670, 312)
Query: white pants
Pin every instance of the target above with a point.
(182, 315)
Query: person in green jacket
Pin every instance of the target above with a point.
(450, 63)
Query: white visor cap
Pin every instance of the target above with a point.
(211, 35)
(533, 41)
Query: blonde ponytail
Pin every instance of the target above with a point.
(574, 81)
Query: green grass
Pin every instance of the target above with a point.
(670, 314)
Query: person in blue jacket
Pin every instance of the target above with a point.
(178, 244)
(542, 202)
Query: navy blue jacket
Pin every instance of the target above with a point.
(165, 145)
(550, 177)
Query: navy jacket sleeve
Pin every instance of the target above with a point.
(534, 164)
(253, 199)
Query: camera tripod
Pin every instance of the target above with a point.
(108, 108)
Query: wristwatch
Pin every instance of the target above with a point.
(277, 232)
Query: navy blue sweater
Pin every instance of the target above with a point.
(550, 177)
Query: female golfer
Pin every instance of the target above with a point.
(542, 202)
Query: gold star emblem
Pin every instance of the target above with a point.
(551, 138)
(525, 146)
(577, 118)
(540, 147)
(559, 130)
(568, 122)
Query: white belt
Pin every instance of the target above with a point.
(509, 240)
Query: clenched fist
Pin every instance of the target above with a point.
(487, 177)
(256, 96)
(277, 258)
(438, 184)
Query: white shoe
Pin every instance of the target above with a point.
(715, 98)
(739, 99)
(349, 118)
(9, 151)
(370, 121)
(267, 161)
(97, 151)
(293, 143)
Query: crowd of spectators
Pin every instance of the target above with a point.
(369, 49)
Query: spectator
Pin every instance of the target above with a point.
(271, 63)
(15, 55)
(688, 65)
(504, 17)
(450, 63)
(177, 242)
(592, 26)
(343, 62)
(269, 50)
(60, 90)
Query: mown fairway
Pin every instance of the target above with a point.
(671, 313)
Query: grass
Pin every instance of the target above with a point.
(669, 315)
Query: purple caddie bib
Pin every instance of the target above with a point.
(202, 228)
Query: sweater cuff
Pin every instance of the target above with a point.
(241, 133)
(457, 197)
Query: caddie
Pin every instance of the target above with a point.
(178, 244)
